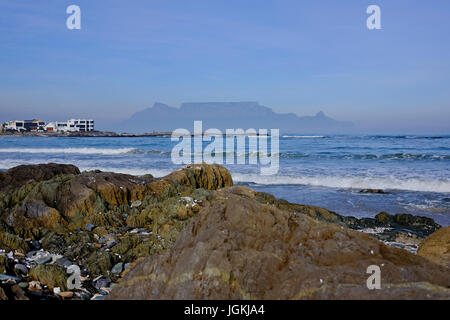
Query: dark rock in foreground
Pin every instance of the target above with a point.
(240, 248)
(18, 176)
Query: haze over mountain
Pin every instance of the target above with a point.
(228, 115)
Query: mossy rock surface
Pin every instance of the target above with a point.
(50, 275)
(100, 263)
(10, 241)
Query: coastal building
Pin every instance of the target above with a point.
(33, 125)
(72, 125)
(25, 125)
(82, 125)
(15, 126)
(51, 127)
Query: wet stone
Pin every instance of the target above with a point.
(117, 269)
(31, 254)
(102, 283)
(63, 262)
(103, 292)
(110, 244)
(89, 227)
(36, 244)
(43, 260)
(6, 277)
(21, 268)
(18, 293)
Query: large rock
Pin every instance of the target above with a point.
(436, 247)
(208, 177)
(241, 248)
(77, 199)
(20, 175)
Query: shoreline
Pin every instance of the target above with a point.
(93, 134)
(108, 223)
(104, 134)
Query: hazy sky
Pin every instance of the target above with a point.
(293, 56)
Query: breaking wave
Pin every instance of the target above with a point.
(69, 150)
(304, 137)
(344, 182)
(391, 156)
(157, 173)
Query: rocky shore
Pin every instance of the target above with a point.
(193, 235)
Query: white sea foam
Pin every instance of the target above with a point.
(424, 184)
(344, 182)
(303, 137)
(157, 173)
(69, 150)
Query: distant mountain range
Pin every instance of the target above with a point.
(227, 115)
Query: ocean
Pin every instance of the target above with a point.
(327, 171)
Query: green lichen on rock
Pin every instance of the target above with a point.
(100, 263)
(50, 275)
(10, 241)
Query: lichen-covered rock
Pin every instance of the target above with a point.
(20, 175)
(10, 241)
(240, 248)
(424, 225)
(384, 218)
(209, 177)
(34, 214)
(5, 264)
(100, 263)
(436, 247)
(51, 275)
(195, 176)
(72, 200)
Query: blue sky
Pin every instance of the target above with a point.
(293, 56)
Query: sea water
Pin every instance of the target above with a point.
(322, 170)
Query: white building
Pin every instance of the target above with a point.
(82, 124)
(15, 125)
(25, 125)
(72, 125)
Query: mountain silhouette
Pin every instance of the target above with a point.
(227, 115)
